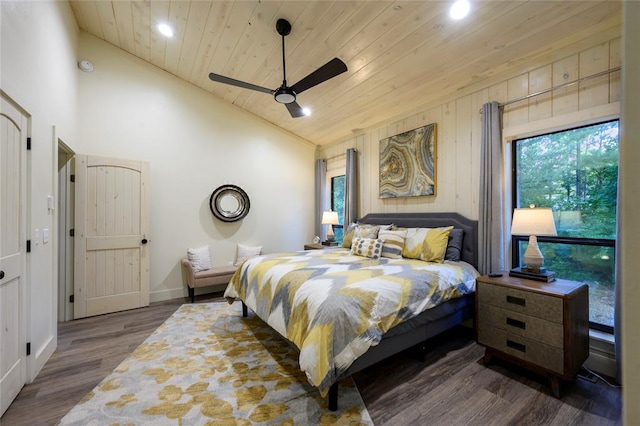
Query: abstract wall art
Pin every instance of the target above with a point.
(407, 163)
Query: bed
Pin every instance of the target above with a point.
(345, 312)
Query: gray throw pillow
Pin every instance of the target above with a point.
(454, 245)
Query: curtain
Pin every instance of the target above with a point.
(351, 188)
(491, 217)
(617, 310)
(321, 179)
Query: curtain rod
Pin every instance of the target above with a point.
(342, 154)
(571, 83)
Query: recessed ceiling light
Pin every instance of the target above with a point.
(306, 111)
(165, 30)
(459, 9)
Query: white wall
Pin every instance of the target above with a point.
(459, 128)
(194, 143)
(38, 72)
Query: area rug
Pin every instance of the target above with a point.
(207, 365)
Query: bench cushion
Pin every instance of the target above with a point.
(214, 276)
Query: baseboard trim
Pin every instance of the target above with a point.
(161, 296)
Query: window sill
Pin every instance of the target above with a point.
(601, 336)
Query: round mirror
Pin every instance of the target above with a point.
(229, 203)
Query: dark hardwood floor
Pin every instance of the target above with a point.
(451, 387)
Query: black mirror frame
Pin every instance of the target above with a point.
(238, 194)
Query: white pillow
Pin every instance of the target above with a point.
(245, 252)
(200, 258)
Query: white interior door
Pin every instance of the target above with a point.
(111, 256)
(65, 224)
(13, 152)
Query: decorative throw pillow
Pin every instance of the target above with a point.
(454, 246)
(366, 231)
(413, 242)
(367, 247)
(435, 244)
(393, 243)
(200, 258)
(245, 252)
(347, 236)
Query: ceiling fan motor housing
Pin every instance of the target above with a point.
(284, 95)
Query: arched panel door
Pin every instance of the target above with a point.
(111, 250)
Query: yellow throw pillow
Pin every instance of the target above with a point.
(435, 242)
(348, 235)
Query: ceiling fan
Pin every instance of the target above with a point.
(287, 94)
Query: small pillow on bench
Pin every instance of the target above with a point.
(200, 258)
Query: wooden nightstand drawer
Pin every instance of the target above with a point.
(524, 302)
(518, 324)
(520, 347)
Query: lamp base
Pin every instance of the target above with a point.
(539, 271)
(546, 276)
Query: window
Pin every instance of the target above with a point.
(575, 173)
(337, 205)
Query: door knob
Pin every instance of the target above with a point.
(1, 275)
(144, 241)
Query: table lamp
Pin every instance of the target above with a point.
(533, 222)
(330, 218)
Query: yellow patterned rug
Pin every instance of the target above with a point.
(206, 365)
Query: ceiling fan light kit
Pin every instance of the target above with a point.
(287, 94)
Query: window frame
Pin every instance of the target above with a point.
(515, 240)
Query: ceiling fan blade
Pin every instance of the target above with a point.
(329, 70)
(227, 80)
(295, 110)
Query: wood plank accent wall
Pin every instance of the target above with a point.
(459, 128)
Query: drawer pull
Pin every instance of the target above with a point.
(516, 346)
(516, 300)
(515, 323)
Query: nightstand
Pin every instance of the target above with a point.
(540, 326)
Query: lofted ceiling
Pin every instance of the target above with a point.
(400, 54)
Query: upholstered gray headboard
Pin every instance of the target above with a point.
(432, 220)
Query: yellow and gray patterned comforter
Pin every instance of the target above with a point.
(334, 306)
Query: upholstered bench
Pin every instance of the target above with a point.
(215, 276)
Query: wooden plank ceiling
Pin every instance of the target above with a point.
(400, 54)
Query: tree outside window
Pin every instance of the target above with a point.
(575, 173)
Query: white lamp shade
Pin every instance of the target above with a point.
(330, 218)
(533, 221)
